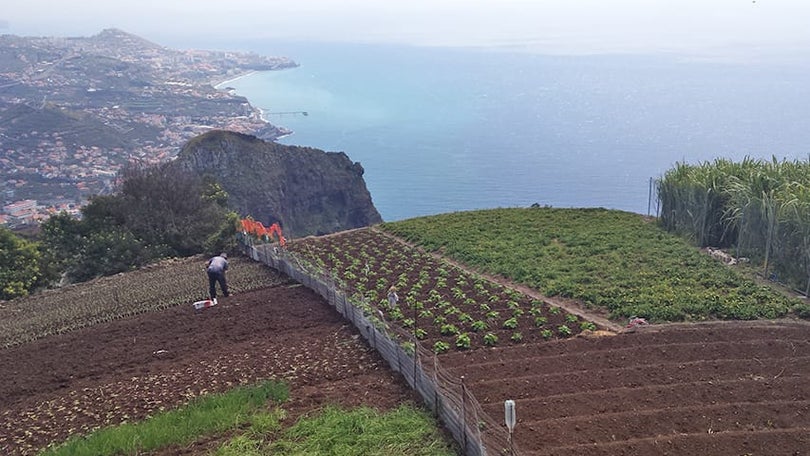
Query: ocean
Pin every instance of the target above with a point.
(441, 130)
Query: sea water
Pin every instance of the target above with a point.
(440, 130)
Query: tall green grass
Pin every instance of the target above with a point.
(203, 416)
(759, 208)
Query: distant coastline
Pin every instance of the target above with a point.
(283, 132)
(219, 85)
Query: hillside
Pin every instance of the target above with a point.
(724, 388)
(110, 98)
(720, 388)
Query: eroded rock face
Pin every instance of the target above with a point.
(308, 191)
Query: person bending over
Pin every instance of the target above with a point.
(216, 268)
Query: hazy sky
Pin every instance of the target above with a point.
(694, 26)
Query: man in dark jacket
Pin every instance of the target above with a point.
(216, 268)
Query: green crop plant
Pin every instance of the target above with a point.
(563, 330)
(540, 321)
(490, 339)
(479, 325)
(510, 323)
(396, 314)
(440, 347)
(465, 318)
(419, 333)
(547, 334)
(587, 326)
(516, 336)
(449, 330)
(451, 310)
(463, 341)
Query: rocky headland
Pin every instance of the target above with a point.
(308, 191)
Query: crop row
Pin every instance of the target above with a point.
(439, 304)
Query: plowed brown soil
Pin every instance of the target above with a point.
(720, 389)
(128, 369)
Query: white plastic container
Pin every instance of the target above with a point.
(205, 303)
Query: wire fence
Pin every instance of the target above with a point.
(446, 395)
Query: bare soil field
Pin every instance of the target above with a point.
(724, 388)
(127, 369)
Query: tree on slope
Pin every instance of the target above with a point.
(159, 212)
(19, 265)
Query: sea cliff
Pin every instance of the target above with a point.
(308, 191)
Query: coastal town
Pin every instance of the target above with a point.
(74, 111)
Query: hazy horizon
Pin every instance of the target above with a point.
(723, 28)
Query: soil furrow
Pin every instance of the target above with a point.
(635, 355)
(657, 397)
(610, 427)
(772, 442)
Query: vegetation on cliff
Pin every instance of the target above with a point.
(20, 266)
(160, 212)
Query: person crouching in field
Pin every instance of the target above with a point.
(392, 297)
(216, 268)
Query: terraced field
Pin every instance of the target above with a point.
(126, 369)
(712, 388)
(732, 388)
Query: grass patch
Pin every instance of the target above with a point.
(610, 259)
(363, 431)
(206, 415)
